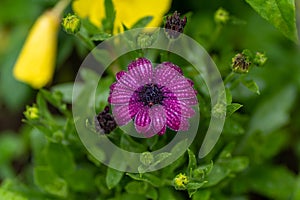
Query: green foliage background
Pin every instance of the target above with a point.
(257, 156)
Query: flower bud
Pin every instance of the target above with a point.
(36, 62)
(219, 110)
(221, 16)
(71, 24)
(32, 112)
(240, 63)
(105, 122)
(180, 181)
(259, 59)
(146, 158)
(144, 40)
(175, 25)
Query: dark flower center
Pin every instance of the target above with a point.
(151, 94)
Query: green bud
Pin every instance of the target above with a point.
(221, 16)
(180, 181)
(259, 59)
(71, 24)
(240, 63)
(146, 158)
(58, 136)
(219, 110)
(144, 40)
(32, 112)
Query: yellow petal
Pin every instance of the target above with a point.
(36, 62)
(93, 9)
(128, 12)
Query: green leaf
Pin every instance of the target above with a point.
(143, 22)
(136, 187)
(82, 179)
(170, 194)
(100, 36)
(192, 161)
(251, 85)
(228, 96)
(296, 193)
(194, 185)
(151, 193)
(202, 195)
(110, 13)
(11, 146)
(60, 159)
(272, 112)
(232, 108)
(274, 182)
(217, 174)
(66, 89)
(147, 177)
(9, 195)
(203, 170)
(280, 13)
(48, 181)
(235, 164)
(233, 127)
(113, 177)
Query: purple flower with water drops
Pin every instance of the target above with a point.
(154, 98)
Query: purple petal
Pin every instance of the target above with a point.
(162, 131)
(134, 105)
(173, 119)
(129, 81)
(173, 66)
(179, 107)
(192, 101)
(164, 74)
(141, 70)
(176, 121)
(142, 120)
(120, 74)
(158, 118)
(121, 114)
(120, 97)
(112, 87)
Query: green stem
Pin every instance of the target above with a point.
(229, 78)
(90, 45)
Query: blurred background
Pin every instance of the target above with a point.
(275, 112)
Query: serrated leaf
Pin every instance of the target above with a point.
(142, 22)
(48, 181)
(280, 13)
(232, 108)
(251, 85)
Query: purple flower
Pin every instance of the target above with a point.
(154, 98)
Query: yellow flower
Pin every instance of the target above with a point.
(128, 12)
(35, 65)
(36, 62)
